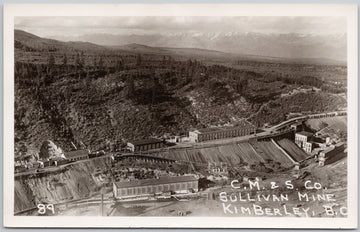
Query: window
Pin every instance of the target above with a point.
(189, 184)
(130, 191)
(194, 185)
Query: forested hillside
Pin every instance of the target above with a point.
(79, 92)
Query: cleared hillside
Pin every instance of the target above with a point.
(337, 123)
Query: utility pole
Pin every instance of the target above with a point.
(102, 200)
(102, 203)
(73, 145)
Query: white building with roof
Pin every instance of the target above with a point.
(242, 129)
(302, 139)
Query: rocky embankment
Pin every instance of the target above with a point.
(71, 182)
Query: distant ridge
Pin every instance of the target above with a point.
(37, 42)
(292, 45)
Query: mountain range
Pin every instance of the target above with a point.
(296, 46)
(23, 38)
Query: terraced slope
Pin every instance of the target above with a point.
(292, 149)
(233, 154)
(268, 150)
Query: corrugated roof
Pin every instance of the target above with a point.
(328, 149)
(76, 153)
(145, 141)
(305, 133)
(339, 144)
(332, 147)
(161, 180)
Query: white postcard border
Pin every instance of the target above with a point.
(13, 10)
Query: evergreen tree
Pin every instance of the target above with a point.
(164, 60)
(51, 64)
(82, 59)
(94, 62)
(101, 63)
(138, 60)
(119, 65)
(64, 61)
(78, 61)
(130, 86)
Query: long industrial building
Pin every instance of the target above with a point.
(77, 155)
(207, 134)
(145, 144)
(177, 184)
(329, 152)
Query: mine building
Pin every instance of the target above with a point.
(302, 139)
(308, 141)
(207, 134)
(217, 168)
(329, 152)
(296, 126)
(146, 187)
(145, 144)
(307, 147)
(77, 155)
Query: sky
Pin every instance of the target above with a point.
(78, 26)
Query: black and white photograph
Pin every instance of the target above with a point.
(182, 116)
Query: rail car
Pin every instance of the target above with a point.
(326, 115)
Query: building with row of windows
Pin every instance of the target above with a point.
(329, 152)
(145, 144)
(146, 187)
(302, 139)
(217, 168)
(242, 129)
(77, 155)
